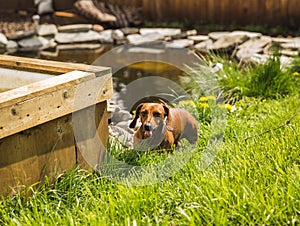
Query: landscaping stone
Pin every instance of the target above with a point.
(3, 40)
(11, 46)
(162, 31)
(198, 38)
(285, 61)
(258, 58)
(130, 30)
(106, 36)
(118, 35)
(293, 44)
(246, 53)
(47, 29)
(247, 33)
(180, 43)
(89, 36)
(291, 53)
(218, 34)
(138, 39)
(35, 43)
(97, 28)
(183, 34)
(204, 45)
(256, 43)
(251, 47)
(279, 40)
(75, 28)
(227, 42)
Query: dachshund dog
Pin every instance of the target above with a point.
(163, 126)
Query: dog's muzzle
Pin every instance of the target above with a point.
(148, 130)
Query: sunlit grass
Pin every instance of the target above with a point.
(253, 180)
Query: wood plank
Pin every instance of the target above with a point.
(26, 157)
(90, 135)
(49, 100)
(44, 86)
(46, 66)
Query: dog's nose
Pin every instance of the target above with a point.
(148, 127)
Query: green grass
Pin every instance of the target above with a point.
(254, 178)
(266, 80)
(254, 181)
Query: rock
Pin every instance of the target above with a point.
(122, 135)
(293, 44)
(246, 53)
(218, 34)
(33, 42)
(191, 32)
(291, 53)
(3, 40)
(89, 36)
(198, 38)
(256, 43)
(138, 39)
(180, 43)
(252, 46)
(183, 35)
(106, 36)
(75, 28)
(247, 33)
(11, 45)
(204, 45)
(279, 40)
(79, 46)
(258, 58)
(161, 31)
(36, 43)
(98, 28)
(228, 42)
(285, 61)
(22, 34)
(45, 6)
(46, 29)
(130, 30)
(121, 116)
(118, 35)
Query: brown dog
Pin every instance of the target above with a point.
(163, 126)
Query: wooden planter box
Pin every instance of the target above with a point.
(38, 102)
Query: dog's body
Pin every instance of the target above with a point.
(165, 126)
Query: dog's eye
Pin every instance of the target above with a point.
(144, 113)
(156, 114)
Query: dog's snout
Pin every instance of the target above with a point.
(148, 127)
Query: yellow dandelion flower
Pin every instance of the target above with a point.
(228, 107)
(296, 73)
(203, 99)
(204, 105)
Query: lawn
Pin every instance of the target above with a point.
(254, 179)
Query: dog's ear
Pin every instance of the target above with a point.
(167, 116)
(137, 114)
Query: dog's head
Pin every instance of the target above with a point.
(153, 116)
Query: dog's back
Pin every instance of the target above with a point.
(184, 125)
